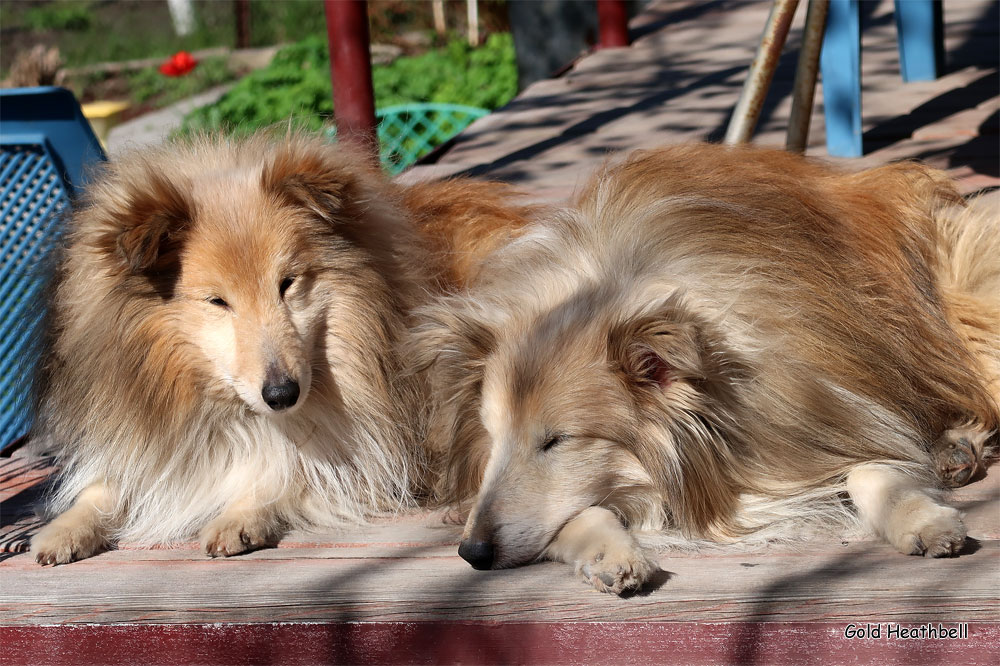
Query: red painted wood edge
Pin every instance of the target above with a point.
(484, 643)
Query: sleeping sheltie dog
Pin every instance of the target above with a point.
(722, 344)
(222, 356)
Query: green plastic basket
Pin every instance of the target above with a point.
(409, 131)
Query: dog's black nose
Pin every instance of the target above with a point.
(477, 553)
(281, 394)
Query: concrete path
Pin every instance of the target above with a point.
(151, 129)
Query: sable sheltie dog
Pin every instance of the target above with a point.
(722, 343)
(223, 342)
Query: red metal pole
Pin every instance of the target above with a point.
(612, 22)
(351, 73)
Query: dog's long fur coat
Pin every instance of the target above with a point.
(199, 272)
(722, 341)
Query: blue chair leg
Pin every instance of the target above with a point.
(920, 30)
(840, 64)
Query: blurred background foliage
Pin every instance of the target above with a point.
(297, 84)
(111, 50)
(91, 31)
(88, 32)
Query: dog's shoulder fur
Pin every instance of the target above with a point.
(464, 220)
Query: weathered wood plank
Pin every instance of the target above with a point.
(431, 583)
(407, 569)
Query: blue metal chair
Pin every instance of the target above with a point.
(836, 25)
(919, 27)
(45, 147)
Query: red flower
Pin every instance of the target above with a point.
(179, 64)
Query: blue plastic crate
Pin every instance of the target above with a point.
(45, 145)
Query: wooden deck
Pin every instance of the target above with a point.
(680, 80)
(397, 592)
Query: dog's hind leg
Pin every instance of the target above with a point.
(602, 551)
(81, 531)
(904, 511)
(242, 526)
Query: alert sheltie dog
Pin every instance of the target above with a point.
(722, 344)
(222, 356)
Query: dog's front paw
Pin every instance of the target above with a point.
(932, 530)
(62, 543)
(616, 567)
(226, 536)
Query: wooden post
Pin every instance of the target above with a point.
(351, 73)
(805, 76)
(612, 23)
(182, 15)
(242, 9)
(747, 110)
(440, 27)
(472, 12)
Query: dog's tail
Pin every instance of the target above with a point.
(969, 275)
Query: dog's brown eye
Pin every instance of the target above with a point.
(552, 441)
(285, 284)
(219, 302)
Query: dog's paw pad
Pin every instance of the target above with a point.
(956, 462)
(616, 572)
(958, 455)
(224, 538)
(60, 544)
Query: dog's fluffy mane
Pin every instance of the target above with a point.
(124, 399)
(833, 319)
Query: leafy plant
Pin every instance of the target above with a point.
(458, 74)
(296, 85)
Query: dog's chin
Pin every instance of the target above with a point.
(515, 547)
(516, 555)
(505, 560)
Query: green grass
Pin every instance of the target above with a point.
(147, 85)
(75, 16)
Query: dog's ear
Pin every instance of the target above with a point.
(307, 178)
(450, 337)
(151, 224)
(450, 347)
(657, 348)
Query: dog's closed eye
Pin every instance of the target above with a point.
(285, 284)
(552, 441)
